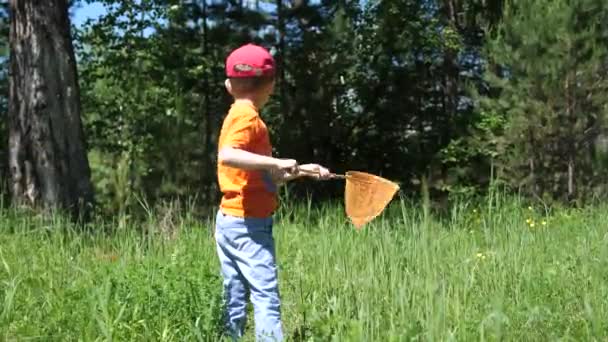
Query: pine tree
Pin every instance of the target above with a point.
(550, 76)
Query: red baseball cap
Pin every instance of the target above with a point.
(250, 61)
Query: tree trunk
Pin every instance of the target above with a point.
(450, 83)
(48, 164)
(570, 178)
(281, 56)
(207, 174)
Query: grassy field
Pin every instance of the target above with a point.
(496, 271)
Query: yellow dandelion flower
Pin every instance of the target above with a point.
(479, 255)
(531, 224)
(530, 208)
(544, 223)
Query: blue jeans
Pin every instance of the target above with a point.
(247, 256)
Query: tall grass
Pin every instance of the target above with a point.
(482, 272)
(155, 280)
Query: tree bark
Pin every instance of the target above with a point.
(206, 172)
(48, 164)
(450, 83)
(281, 56)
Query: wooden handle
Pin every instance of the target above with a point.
(331, 175)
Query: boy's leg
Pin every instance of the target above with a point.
(258, 266)
(235, 291)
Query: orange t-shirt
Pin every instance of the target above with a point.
(246, 193)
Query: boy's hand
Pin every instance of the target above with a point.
(315, 171)
(287, 165)
(281, 177)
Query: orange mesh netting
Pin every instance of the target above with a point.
(366, 196)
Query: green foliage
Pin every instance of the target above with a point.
(152, 79)
(357, 88)
(546, 67)
(459, 93)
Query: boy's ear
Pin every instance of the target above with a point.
(228, 86)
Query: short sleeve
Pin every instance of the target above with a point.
(241, 132)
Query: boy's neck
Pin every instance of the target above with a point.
(247, 101)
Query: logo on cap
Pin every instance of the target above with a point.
(243, 67)
(247, 68)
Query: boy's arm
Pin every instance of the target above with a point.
(242, 159)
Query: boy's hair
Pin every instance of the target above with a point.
(247, 85)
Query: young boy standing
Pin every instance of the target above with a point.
(248, 176)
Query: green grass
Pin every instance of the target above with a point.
(478, 273)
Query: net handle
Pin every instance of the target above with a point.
(334, 175)
(331, 175)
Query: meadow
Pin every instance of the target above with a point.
(497, 269)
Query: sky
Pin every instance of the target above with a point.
(92, 10)
(95, 9)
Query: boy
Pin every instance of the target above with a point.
(248, 175)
